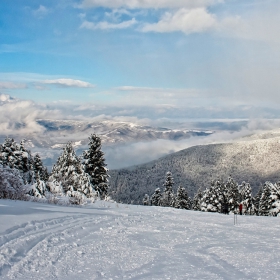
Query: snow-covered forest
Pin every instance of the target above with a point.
(73, 179)
(221, 197)
(77, 180)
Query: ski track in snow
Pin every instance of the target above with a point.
(110, 241)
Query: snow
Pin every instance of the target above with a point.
(115, 241)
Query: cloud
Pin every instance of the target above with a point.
(104, 25)
(41, 11)
(12, 85)
(185, 20)
(69, 83)
(148, 4)
(20, 116)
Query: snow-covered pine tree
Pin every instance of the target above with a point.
(95, 166)
(182, 200)
(265, 203)
(40, 170)
(16, 156)
(256, 200)
(245, 191)
(167, 199)
(146, 200)
(197, 200)
(156, 197)
(69, 173)
(213, 198)
(232, 194)
(270, 200)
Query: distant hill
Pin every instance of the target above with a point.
(255, 160)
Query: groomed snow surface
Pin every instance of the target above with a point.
(115, 241)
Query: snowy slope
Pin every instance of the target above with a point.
(254, 160)
(110, 241)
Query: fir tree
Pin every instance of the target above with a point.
(197, 200)
(265, 203)
(69, 173)
(182, 200)
(232, 194)
(16, 156)
(156, 197)
(213, 198)
(94, 164)
(40, 170)
(168, 196)
(246, 198)
(256, 200)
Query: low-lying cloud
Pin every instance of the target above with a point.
(69, 83)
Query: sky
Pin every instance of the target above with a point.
(143, 58)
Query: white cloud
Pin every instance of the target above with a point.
(20, 116)
(148, 4)
(12, 85)
(185, 20)
(104, 25)
(41, 11)
(68, 83)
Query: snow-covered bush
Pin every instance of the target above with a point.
(156, 197)
(11, 184)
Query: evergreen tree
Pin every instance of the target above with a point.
(197, 200)
(213, 198)
(270, 200)
(168, 196)
(246, 198)
(16, 156)
(94, 164)
(256, 200)
(232, 194)
(69, 173)
(146, 200)
(265, 203)
(182, 200)
(156, 197)
(40, 170)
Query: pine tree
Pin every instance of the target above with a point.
(94, 165)
(246, 198)
(168, 196)
(265, 200)
(182, 200)
(69, 173)
(213, 197)
(40, 170)
(197, 200)
(256, 200)
(156, 197)
(16, 156)
(146, 200)
(232, 194)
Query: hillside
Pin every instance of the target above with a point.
(114, 241)
(255, 160)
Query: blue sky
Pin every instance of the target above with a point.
(157, 54)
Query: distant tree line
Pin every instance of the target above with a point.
(73, 179)
(218, 197)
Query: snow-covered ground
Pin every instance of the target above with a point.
(114, 241)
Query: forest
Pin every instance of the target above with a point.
(77, 180)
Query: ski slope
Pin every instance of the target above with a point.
(114, 241)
